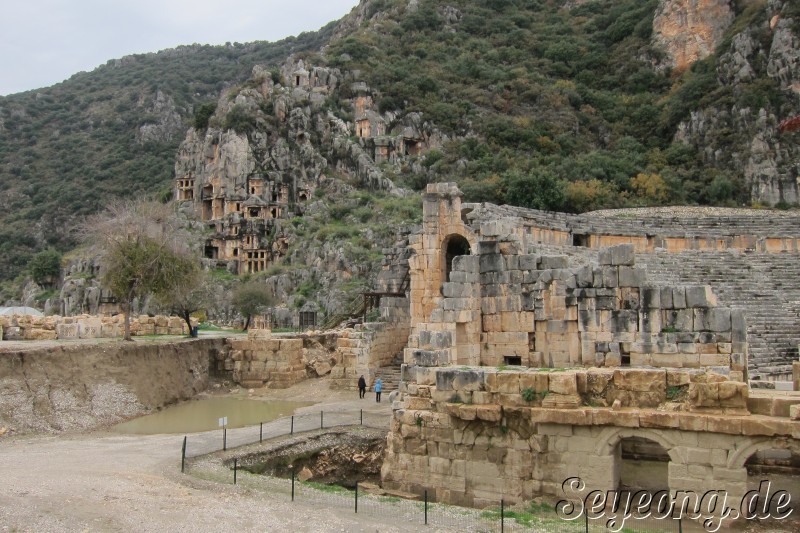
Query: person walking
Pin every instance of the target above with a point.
(362, 387)
(378, 387)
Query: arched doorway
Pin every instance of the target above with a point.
(643, 465)
(453, 246)
(780, 468)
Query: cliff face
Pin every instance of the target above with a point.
(276, 156)
(760, 70)
(689, 30)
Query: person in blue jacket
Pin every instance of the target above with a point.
(378, 387)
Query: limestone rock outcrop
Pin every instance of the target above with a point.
(689, 30)
(740, 131)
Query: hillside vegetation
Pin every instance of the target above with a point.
(560, 108)
(66, 150)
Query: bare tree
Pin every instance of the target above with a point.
(143, 251)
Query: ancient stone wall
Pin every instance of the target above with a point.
(276, 361)
(366, 348)
(524, 261)
(83, 386)
(28, 328)
(475, 436)
(497, 303)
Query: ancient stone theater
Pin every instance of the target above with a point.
(649, 349)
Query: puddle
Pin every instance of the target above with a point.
(204, 415)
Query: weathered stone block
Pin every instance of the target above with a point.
(651, 297)
(563, 383)
(622, 254)
(700, 296)
(430, 357)
(631, 276)
(491, 263)
(554, 262)
(641, 380)
(679, 297)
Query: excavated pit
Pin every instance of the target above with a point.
(341, 457)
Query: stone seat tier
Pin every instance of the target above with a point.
(765, 286)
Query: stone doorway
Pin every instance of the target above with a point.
(643, 465)
(772, 470)
(453, 245)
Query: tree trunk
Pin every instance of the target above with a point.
(127, 309)
(187, 317)
(247, 323)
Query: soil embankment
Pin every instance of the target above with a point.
(85, 386)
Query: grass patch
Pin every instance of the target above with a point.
(322, 487)
(222, 274)
(208, 326)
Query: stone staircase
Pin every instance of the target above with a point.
(765, 286)
(390, 375)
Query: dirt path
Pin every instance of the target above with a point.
(106, 482)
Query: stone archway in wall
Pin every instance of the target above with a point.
(640, 458)
(643, 465)
(775, 461)
(453, 245)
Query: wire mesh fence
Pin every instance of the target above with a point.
(400, 512)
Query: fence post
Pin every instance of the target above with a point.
(291, 432)
(426, 507)
(362, 416)
(680, 524)
(235, 468)
(320, 419)
(224, 439)
(261, 432)
(356, 497)
(502, 516)
(183, 454)
(292, 484)
(586, 519)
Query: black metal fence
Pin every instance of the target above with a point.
(386, 508)
(212, 441)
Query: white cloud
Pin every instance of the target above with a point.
(46, 41)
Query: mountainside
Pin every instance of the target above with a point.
(554, 104)
(67, 149)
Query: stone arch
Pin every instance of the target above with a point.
(738, 458)
(611, 437)
(772, 460)
(453, 246)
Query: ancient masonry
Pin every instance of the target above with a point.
(634, 384)
(30, 328)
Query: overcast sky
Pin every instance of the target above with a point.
(43, 42)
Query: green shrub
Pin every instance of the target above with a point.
(202, 115)
(528, 394)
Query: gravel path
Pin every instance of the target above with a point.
(107, 482)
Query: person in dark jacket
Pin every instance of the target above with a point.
(362, 387)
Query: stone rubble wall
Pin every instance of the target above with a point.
(474, 436)
(29, 328)
(262, 359)
(365, 348)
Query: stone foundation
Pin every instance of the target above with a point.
(35, 328)
(476, 436)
